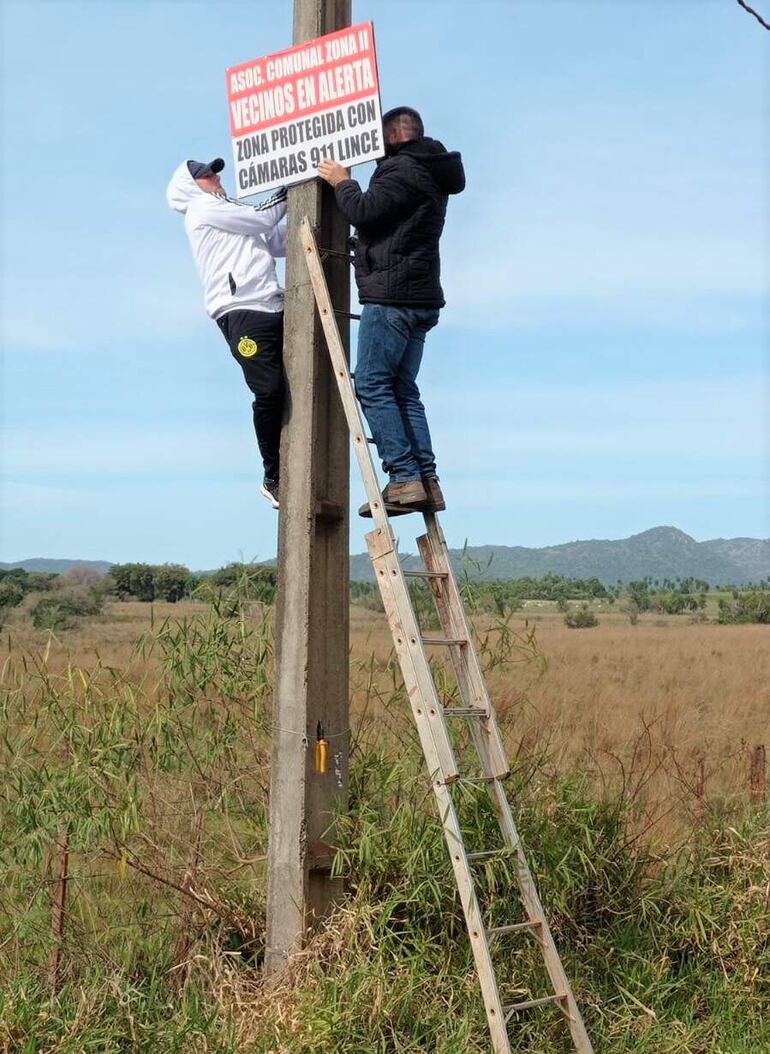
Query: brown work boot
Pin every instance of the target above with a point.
(436, 501)
(400, 498)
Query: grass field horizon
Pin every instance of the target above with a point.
(662, 551)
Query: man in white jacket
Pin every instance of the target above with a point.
(235, 247)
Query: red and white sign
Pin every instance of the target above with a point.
(291, 110)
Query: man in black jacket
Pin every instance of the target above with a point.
(399, 221)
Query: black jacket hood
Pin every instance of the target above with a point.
(445, 166)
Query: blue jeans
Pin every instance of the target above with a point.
(390, 346)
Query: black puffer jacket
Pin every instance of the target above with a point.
(399, 220)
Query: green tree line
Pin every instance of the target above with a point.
(59, 600)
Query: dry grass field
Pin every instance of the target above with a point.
(681, 702)
(671, 706)
(141, 773)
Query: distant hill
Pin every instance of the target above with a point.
(57, 567)
(662, 552)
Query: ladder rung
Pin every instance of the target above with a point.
(487, 855)
(477, 779)
(517, 927)
(509, 1011)
(369, 439)
(347, 314)
(446, 641)
(426, 574)
(465, 711)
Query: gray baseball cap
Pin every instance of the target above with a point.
(200, 169)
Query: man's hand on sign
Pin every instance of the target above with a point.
(333, 172)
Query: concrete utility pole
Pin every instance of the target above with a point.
(312, 610)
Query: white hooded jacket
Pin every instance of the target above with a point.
(234, 245)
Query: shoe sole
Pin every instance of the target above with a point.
(266, 494)
(395, 510)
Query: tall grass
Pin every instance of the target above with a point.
(146, 786)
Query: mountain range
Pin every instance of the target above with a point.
(661, 552)
(57, 567)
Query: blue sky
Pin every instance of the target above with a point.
(601, 366)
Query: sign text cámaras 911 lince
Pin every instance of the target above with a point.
(291, 110)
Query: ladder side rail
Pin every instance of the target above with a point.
(342, 375)
(415, 668)
(467, 668)
(434, 551)
(439, 557)
(424, 701)
(438, 586)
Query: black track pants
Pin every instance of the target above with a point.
(256, 342)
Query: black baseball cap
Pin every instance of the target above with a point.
(200, 169)
(398, 110)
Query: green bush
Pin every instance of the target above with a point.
(581, 618)
(366, 595)
(746, 607)
(13, 574)
(50, 613)
(169, 582)
(424, 605)
(639, 594)
(133, 580)
(504, 600)
(246, 581)
(27, 581)
(11, 593)
(41, 581)
(60, 610)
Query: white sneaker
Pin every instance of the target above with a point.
(269, 490)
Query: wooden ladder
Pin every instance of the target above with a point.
(432, 717)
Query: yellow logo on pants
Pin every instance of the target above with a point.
(247, 347)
